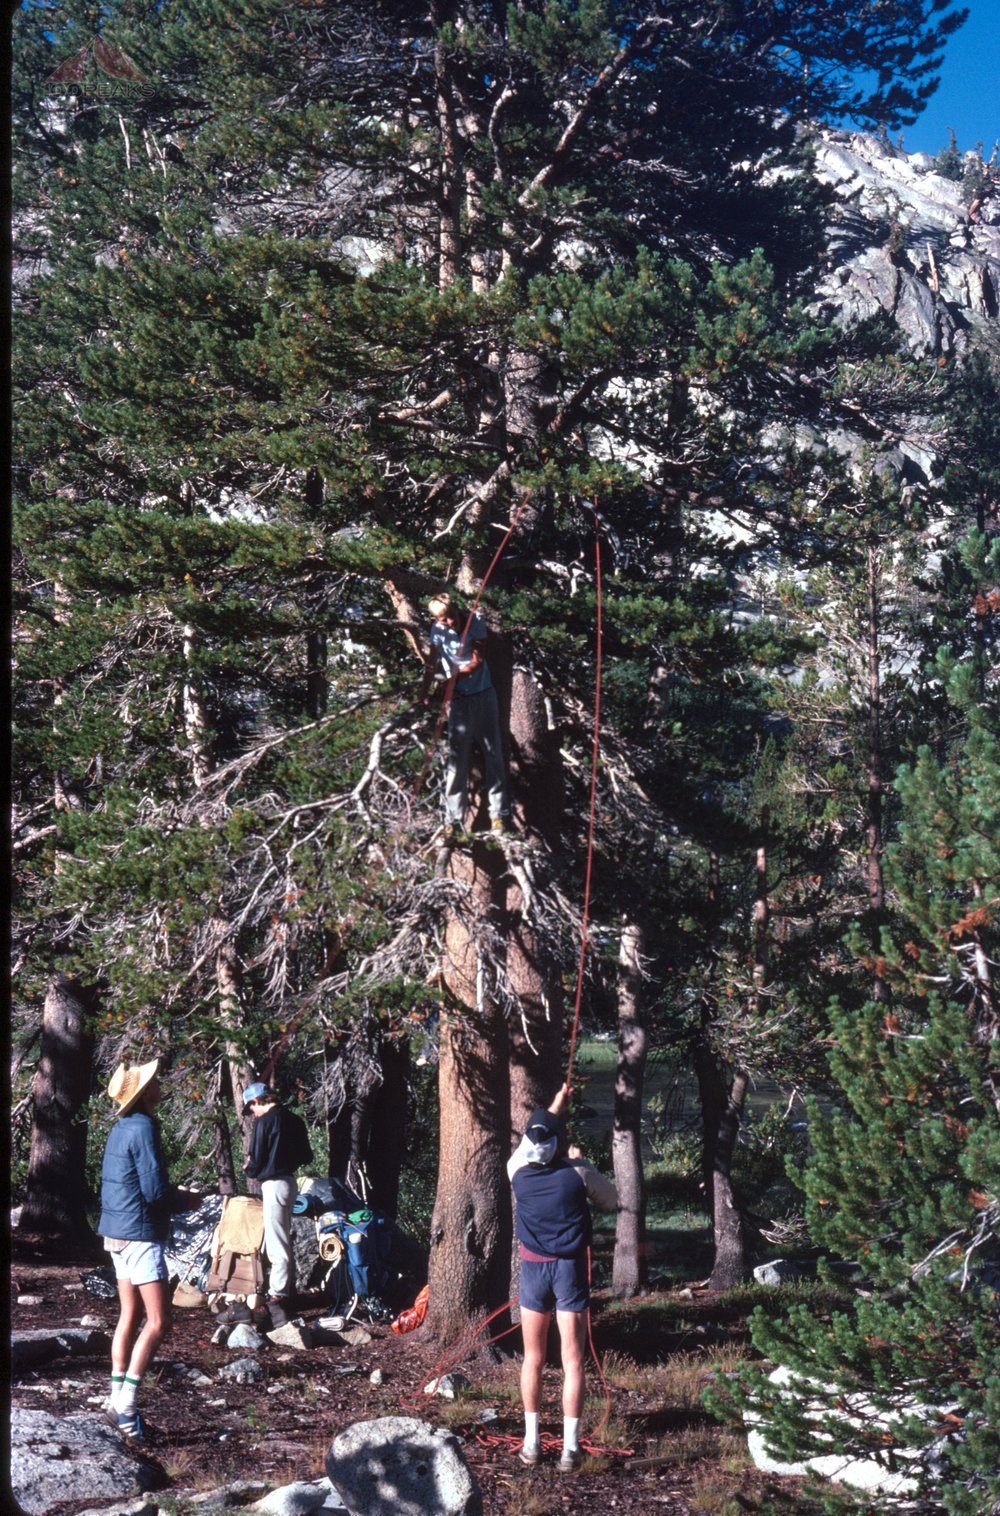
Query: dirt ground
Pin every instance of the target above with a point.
(204, 1436)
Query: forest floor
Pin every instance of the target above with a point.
(658, 1451)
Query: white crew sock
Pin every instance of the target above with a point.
(126, 1397)
(571, 1434)
(531, 1429)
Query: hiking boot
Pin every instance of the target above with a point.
(276, 1309)
(570, 1460)
(531, 1456)
(235, 1314)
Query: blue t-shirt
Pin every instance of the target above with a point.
(455, 644)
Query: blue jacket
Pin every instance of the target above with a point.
(553, 1218)
(136, 1195)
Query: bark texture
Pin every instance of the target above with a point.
(629, 1274)
(56, 1193)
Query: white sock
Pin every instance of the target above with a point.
(126, 1397)
(571, 1434)
(531, 1429)
(117, 1380)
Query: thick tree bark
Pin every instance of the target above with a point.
(389, 1125)
(536, 778)
(471, 1226)
(629, 1269)
(55, 1199)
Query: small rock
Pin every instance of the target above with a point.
(31, 1300)
(93, 1323)
(449, 1386)
(245, 1337)
(243, 1371)
(219, 1335)
(487, 1414)
(376, 1377)
(292, 1336)
(299, 1499)
(355, 1336)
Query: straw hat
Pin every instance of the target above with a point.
(127, 1084)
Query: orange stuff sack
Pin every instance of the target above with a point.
(410, 1319)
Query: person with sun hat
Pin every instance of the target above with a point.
(137, 1200)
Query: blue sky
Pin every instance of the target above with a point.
(968, 97)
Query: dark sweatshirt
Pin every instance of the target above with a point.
(279, 1144)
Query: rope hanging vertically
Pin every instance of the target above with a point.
(595, 756)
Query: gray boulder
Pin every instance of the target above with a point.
(42, 1345)
(399, 1466)
(56, 1458)
(299, 1499)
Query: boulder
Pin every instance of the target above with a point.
(779, 1271)
(293, 1334)
(78, 1457)
(42, 1345)
(399, 1466)
(299, 1499)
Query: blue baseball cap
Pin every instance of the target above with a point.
(254, 1092)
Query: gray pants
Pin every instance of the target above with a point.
(472, 720)
(278, 1196)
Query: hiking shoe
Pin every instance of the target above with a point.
(235, 1314)
(498, 826)
(570, 1460)
(129, 1426)
(531, 1456)
(277, 1312)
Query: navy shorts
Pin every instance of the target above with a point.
(561, 1283)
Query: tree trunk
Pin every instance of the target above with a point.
(721, 1111)
(629, 1268)
(388, 1129)
(222, 1146)
(536, 779)
(56, 1193)
(469, 1269)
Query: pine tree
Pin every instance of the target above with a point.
(242, 442)
(903, 1175)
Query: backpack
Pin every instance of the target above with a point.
(237, 1267)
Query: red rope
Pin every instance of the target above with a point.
(585, 921)
(446, 1362)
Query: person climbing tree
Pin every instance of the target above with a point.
(457, 640)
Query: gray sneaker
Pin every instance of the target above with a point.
(531, 1456)
(570, 1460)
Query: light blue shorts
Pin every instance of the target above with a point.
(141, 1263)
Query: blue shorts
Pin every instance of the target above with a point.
(141, 1263)
(560, 1282)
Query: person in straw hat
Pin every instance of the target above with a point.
(137, 1200)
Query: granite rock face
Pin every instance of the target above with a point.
(905, 242)
(53, 1458)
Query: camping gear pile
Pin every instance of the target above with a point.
(354, 1242)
